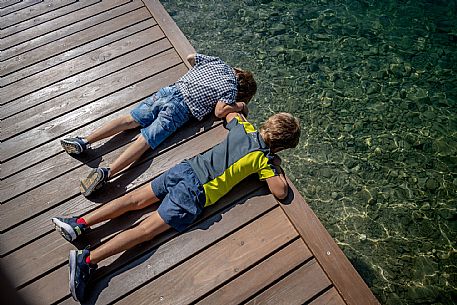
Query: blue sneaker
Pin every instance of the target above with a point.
(80, 273)
(68, 227)
(74, 145)
(96, 178)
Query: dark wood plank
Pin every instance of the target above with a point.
(14, 8)
(171, 30)
(330, 297)
(59, 196)
(36, 10)
(66, 38)
(260, 276)
(63, 124)
(146, 43)
(8, 3)
(49, 149)
(148, 260)
(296, 288)
(336, 265)
(78, 51)
(54, 20)
(210, 268)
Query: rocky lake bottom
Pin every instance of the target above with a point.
(374, 84)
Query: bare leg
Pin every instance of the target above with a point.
(135, 200)
(146, 230)
(130, 155)
(113, 127)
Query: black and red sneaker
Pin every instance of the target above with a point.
(80, 274)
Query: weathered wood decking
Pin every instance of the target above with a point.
(69, 66)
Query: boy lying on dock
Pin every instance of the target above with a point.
(185, 190)
(209, 84)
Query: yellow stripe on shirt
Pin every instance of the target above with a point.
(253, 162)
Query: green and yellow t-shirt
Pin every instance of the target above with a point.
(242, 153)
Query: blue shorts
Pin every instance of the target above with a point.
(161, 114)
(182, 195)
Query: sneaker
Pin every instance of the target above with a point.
(96, 178)
(74, 145)
(69, 228)
(80, 273)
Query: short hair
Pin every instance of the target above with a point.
(246, 85)
(281, 130)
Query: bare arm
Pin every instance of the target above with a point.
(191, 59)
(278, 184)
(223, 109)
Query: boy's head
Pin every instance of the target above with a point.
(246, 85)
(281, 131)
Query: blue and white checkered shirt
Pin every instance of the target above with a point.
(210, 80)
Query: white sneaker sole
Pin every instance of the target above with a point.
(72, 261)
(65, 229)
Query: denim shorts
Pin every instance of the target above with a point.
(161, 114)
(182, 195)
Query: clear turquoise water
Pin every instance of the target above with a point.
(375, 86)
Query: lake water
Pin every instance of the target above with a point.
(375, 86)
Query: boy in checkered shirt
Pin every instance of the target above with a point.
(210, 84)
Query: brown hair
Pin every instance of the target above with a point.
(281, 130)
(247, 86)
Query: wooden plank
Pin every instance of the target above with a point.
(14, 8)
(22, 262)
(118, 55)
(124, 272)
(50, 149)
(296, 288)
(59, 197)
(54, 20)
(63, 124)
(335, 264)
(65, 85)
(171, 30)
(224, 260)
(36, 10)
(86, 81)
(330, 297)
(260, 276)
(78, 51)
(68, 37)
(8, 3)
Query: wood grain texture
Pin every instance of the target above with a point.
(259, 276)
(330, 297)
(23, 31)
(14, 8)
(66, 38)
(212, 267)
(8, 3)
(75, 52)
(295, 289)
(33, 11)
(118, 55)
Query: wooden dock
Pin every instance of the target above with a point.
(69, 66)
